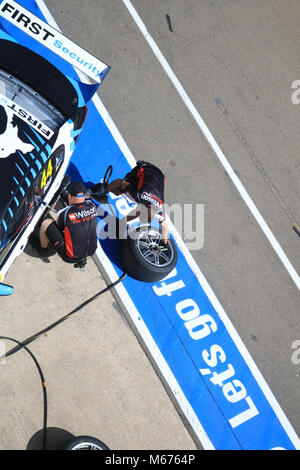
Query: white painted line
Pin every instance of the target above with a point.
(155, 352)
(123, 294)
(211, 140)
(141, 327)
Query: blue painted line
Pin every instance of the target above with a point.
(229, 401)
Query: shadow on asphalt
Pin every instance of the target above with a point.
(56, 439)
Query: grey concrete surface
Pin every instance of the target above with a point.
(244, 53)
(99, 381)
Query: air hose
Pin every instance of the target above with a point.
(107, 174)
(20, 346)
(37, 335)
(23, 345)
(65, 317)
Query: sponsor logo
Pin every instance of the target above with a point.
(149, 198)
(72, 217)
(53, 40)
(26, 116)
(10, 141)
(78, 58)
(15, 12)
(82, 215)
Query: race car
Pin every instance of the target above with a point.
(43, 106)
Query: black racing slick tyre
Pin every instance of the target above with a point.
(145, 257)
(85, 443)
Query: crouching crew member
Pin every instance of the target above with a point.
(74, 233)
(144, 185)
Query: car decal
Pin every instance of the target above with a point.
(12, 108)
(49, 37)
(26, 167)
(37, 159)
(10, 141)
(18, 22)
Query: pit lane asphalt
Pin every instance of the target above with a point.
(99, 382)
(237, 61)
(237, 56)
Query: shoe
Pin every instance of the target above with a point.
(43, 252)
(81, 264)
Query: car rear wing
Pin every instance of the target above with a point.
(53, 40)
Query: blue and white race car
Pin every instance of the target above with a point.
(43, 105)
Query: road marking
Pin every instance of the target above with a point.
(214, 145)
(122, 292)
(158, 357)
(142, 328)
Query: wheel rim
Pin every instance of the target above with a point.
(87, 446)
(153, 250)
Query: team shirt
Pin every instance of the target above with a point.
(147, 184)
(79, 225)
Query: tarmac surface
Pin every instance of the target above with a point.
(237, 61)
(98, 380)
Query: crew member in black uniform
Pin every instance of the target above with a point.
(74, 233)
(145, 185)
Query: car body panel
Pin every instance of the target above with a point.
(42, 110)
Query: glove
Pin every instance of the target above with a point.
(64, 195)
(99, 192)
